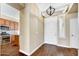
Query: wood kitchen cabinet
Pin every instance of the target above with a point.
(7, 23)
(12, 26)
(16, 25)
(2, 21)
(15, 40)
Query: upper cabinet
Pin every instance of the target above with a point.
(9, 16)
(16, 25)
(11, 24)
(7, 23)
(2, 22)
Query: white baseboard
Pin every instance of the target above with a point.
(36, 48)
(58, 45)
(24, 52)
(50, 43)
(29, 54)
(61, 45)
(64, 46)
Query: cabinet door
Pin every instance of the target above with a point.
(12, 25)
(16, 25)
(15, 40)
(12, 39)
(7, 23)
(2, 21)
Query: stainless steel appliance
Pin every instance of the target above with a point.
(4, 28)
(4, 35)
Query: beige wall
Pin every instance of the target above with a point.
(67, 41)
(69, 17)
(63, 39)
(67, 29)
(36, 32)
(24, 30)
(31, 28)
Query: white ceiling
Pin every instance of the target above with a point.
(44, 6)
(59, 7)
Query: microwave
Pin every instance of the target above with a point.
(4, 28)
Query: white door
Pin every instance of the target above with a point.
(50, 28)
(74, 32)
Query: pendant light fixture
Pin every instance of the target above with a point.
(49, 11)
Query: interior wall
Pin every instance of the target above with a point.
(36, 28)
(24, 30)
(50, 30)
(31, 36)
(62, 41)
(67, 30)
(62, 35)
(64, 38)
(74, 30)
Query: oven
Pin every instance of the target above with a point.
(4, 35)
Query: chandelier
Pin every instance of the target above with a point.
(49, 11)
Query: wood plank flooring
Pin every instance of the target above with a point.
(52, 50)
(45, 50)
(10, 50)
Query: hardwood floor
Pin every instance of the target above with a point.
(10, 50)
(52, 50)
(45, 50)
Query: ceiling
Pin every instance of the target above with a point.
(18, 6)
(59, 7)
(44, 6)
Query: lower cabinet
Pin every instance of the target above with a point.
(15, 40)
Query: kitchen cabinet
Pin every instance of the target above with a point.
(12, 24)
(15, 40)
(2, 21)
(16, 25)
(12, 27)
(7, 23)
